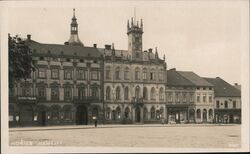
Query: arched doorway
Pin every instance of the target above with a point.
(81, 115)
(26, 116)
(204, 115)
(137, 115)
(41, 115)
(191, 115)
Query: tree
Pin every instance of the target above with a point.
(20, 60)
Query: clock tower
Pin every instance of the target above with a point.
(135, 32)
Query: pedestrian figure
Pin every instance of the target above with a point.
(162, 121)
(95, 122)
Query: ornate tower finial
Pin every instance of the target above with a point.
(156, 53)
(164, 57)
(132, 23)
(74, 39)
(74, 13)
(128, 24)
(141, 23)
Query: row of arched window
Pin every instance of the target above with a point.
(138, 75)
(117, 93)
(116, 114)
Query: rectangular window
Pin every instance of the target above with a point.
(67, 74)
(177, 98)
(161, 76)
(126, 75)
(137, 75)
(217, 104)
(94, 75)
(234, 104)
(226, 104)
(108, 76)
(55, 93)
(184, 97)
(204, 98)
(54, 73)
(42, 92)
(198, 98)
(144, 76)
(26, 91)
(81, 74)
(117, 75)
(210, 98)
(170, 97)
(151, 76)
(41, 73)
(191, 97)
(67, 93)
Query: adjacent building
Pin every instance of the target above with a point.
(189, 98)
(227, 104)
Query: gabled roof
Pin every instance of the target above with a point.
(58, 49)
(185, 78)
(223, 89)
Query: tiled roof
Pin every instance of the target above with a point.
(175, 79)
(223, 89)
(69, 50)
(185, 78)
(194, 78)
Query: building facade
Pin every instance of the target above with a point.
(189, 98)
(66, 87)
(134, 81)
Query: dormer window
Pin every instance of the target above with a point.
(68, 60)
(81, 60)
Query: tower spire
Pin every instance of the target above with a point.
(74, 16)
(135, 14)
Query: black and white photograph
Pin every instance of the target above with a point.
(124, 76)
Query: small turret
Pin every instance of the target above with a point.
(156, 53)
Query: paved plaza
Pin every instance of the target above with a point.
(168, 136)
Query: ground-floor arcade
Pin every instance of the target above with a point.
(46, 114)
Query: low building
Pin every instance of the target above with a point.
(227, 106)
(189, 98)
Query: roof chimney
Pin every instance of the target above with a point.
(150, 50)
(173, 69)
(29, 37)
(108, 47)
(236, 84)
(94, 45)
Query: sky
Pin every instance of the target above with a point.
(204, 37)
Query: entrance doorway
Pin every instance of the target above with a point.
(231, 118)
(81, 115)
(137, 115)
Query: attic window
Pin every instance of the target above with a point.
(210, 88)
(81, 60)
(204, 88)
(95, 61)
(68, 60)
(41, 58)
(198, 88)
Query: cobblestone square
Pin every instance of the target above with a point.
(165, 136)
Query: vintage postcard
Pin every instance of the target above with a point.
(124, 76)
